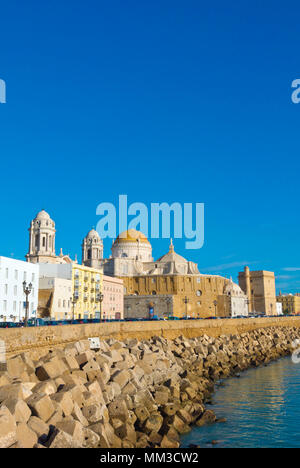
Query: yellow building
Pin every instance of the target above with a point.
(290, 303)
(87, 285)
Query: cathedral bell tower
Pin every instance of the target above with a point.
(92, 250)
(41, 239)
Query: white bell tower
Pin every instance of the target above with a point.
(41, 239)
(92, 250)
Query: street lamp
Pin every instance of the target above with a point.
(215, 304)
(186, 301)
(27, 290)
(101, 297)
(74, 301)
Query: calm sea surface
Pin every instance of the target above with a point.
(262, 409)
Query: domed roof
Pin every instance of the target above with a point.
(233, 289)
(92, 234)
(43, 215)
(172, 256)
(131, 236)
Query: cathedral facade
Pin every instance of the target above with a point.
(190, 293)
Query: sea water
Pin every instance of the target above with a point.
(262, 409)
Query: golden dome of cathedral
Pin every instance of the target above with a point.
(132, 235)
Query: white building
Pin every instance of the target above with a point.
(237, 300)
(12, 298)
(279, 308)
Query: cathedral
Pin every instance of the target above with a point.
(170, 285)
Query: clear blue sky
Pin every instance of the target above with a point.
(163, 101)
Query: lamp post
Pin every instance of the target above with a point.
(215, 304)
(186, 301)
(74, 300)
(27, 290)
(101, 297)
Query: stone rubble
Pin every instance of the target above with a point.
(125, 394)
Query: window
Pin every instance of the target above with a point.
(6, 273)
(6, 289)
(198, 280)
(15, 290)
(199, 293)
(33, 277)
(15, 306)
(16, 274)
(4, 306)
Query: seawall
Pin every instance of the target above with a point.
(126, 394)
(38, 340)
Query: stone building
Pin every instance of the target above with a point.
(147, 307)
(259, 286)
(193, 294)
(290, 303)
(42, 241)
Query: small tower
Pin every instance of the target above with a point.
(92, 250)
(41, 239)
